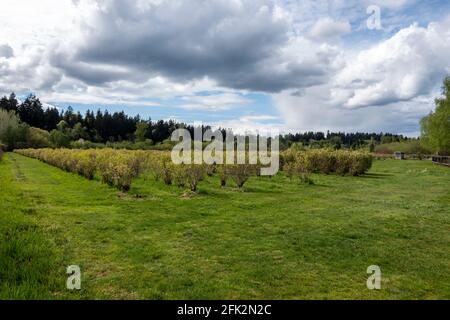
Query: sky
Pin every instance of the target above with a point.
(290, 65)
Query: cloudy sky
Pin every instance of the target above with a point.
(294, 65)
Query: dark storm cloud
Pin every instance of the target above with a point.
(235, 43)
(90, 73)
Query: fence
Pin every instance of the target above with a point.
(445, 161)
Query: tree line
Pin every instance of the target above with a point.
(99, 126)
(63, 127)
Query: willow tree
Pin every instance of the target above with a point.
(13, 133)
(435, 128)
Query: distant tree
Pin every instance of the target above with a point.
(71, 118)
(51, 119)
(335, 142)
(38, 138)
(13, 133)
(9, 104)
(106, 127)
(59, 139)
(141, 131)
(31, 112)
(435, 128)
(386, 139)
(372, 145)
(78, 132)
(62, 126)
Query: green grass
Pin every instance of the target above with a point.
(276, 239)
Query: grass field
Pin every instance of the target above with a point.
(276, 239)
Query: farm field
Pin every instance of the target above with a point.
(274, 239)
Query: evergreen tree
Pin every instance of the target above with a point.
(31, 112)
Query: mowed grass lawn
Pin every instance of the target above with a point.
(276, 239)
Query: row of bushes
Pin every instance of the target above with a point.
(116, 168)
(191, 174)
(119, 167)
(342, 162)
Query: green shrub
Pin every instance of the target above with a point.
(299, 167)
(13, 133)
(240, 173)
(325, 161)
(38, 138)
(179, 178)
(59, 139)
(115, 168)
(163, 168)
(194, 174)
(343, 163)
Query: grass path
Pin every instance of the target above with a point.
(276, 240)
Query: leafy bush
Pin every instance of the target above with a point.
(320, 160)
(240, 173)
(179, 177)
(38, 138)
(341, 162)
(118, 168)
(342, 166)
(13, 133)
(298, 167)
(87, 164)
(86, 144)
(194, 174)
(115, 168)
(188, 174)
(163, 168)
(59, 139)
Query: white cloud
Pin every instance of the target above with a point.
(28, 71)
(409, 64)
(27, 22)
(390, 4)
(214, 102)
(256, 124)
(314, 110)
(257, 118)
(328, 29)
(388, 87)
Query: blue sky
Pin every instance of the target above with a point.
(257, 104)
(262, 64)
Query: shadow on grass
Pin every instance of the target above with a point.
(376, 175)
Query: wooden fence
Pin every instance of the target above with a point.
(445, 161)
